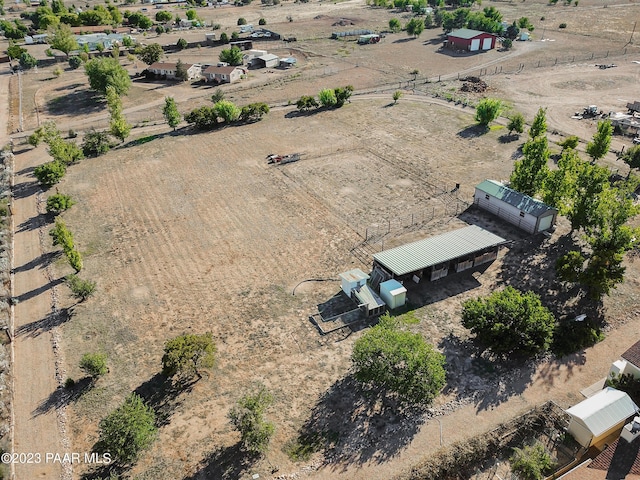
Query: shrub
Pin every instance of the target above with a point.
(562, 25)
(95, 143)
(182, 44)
(248, 418)
(94, 364)
(81, 289)
(50, 173)
(58, 203)
(75, 260)
(262, 21)
(242, 21)
(531, 462)
(186, 355)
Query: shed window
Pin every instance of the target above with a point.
(486, 197)
(522, 214)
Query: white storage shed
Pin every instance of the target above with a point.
(596, 419)
(523, 211)
(393, 293)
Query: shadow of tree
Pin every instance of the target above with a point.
(473, 131)
(161, 394)
(79, 102)
(507, 138)
(32, 223)
(52, 320)
(42, 261)
(26, 189)
(363, 426)
(63, 396)
(404, 40)
(225, 463)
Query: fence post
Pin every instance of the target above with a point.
(591, 55)
(556, 61)
(607, 54)
(366, 234)
(389, 228)
(538, 63)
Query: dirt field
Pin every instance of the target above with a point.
(193, 232)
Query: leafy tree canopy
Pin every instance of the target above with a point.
(509, 322)
(151, 53)
(399, 363)
(487, 110)
(248, 418)
(94, 364)
(232, 56)
(186, 355)
(128, 430)
(106, 71)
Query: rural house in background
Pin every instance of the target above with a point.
(521, 210)
(599, 419)
(629, 364)
(223, 74)
(470, 40)
(168, 70)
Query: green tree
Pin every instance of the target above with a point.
(262, 22)
(94, 364)
(95, 143)
(218, 94)
(170, 112)
(307, 102)
(632, 158)
(186, 355)
(539, 125)
(182, 44)
(75, 63)
(163, 16)
(58, 203)
(530, 173)
(118, 126)
(191, 14)
(81, 289)
(396, 96)
(248, 418)
(65, 151)
(15, 51)
(61, 235)
(204, 118)
(415, 27)
(140, 20)
(516, 123)
(224, 38)
(487, 110)
(106, 71)
(151, 53)
(571, 141)
(507, 43)
(253, 111)
(181, 71)
(242, 21)
(327, 97)
(62, 38)
(394, 25)
(509, 322)
(227, 111)
(599, 146)
(342, 94)
(50, 173)
(27, 61)
(232, 56)
(75, 259)
(128, 430)
(531, 462)
(399, 363)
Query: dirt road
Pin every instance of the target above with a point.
(36, 422)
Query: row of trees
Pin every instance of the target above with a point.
(224, 112)
(597, 207)
(328, 98)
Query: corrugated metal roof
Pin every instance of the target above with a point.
(466, 33)
(434, 250)
(604, 410)
(519, 200)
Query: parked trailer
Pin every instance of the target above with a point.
(276, 159)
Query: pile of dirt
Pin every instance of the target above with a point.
(473, 84)
(343, 22)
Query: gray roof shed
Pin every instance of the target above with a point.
(435, 250)
(523, 202)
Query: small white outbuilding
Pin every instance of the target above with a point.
(353, 279)
(600, 417)
(393, 293)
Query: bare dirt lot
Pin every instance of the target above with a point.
(193, 232)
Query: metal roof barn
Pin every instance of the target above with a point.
(436, 250)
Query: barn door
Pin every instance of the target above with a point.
(475, 45)
(486, 43)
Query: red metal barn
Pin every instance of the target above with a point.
(471, 40)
